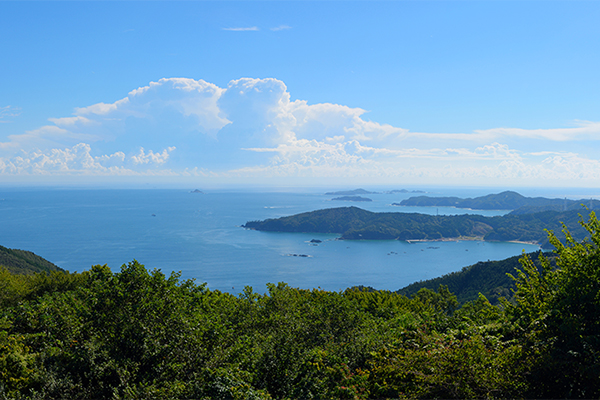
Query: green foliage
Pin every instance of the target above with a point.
(138, 333)
(556, 316)
(433, 365)
(15, 288)
(17, 365)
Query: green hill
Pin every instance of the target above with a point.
(507, 200)
(488, 278)
(25, 262)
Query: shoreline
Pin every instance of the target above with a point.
(454, 239)
(473, 239)
(455, 207)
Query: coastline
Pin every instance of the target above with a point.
(455, 207)
(453, 239)
(472, 238)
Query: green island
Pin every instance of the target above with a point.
(349, 192)
(138, 333)
(354, 223)
(351, 198)
(507, 200)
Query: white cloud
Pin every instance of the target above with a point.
(151, 157)
(281, 28)
(100, 108)
(8, 112)
(78, 160)
(583, 130)
(45, 137)
(241, 29)
(252, 129)
(150, 116)
(70, 121)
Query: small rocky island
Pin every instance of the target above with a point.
(403, 191)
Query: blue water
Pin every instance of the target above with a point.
(200, 235)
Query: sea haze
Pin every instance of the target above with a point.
(199, 234)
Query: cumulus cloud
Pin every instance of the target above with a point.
(78, 160)
(151, 157)
(252, 129)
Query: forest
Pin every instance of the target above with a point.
(138, 333)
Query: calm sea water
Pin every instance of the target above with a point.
(200, 235)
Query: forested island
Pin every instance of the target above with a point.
(349, 192)
(507, 200)
(351, 198)
(140, 334)
(353, 223)
(363, 191)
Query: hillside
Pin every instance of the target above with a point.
(353, 223)
(487, 277)
(24, 262)
(507, 200)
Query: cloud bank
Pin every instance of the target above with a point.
(251, 130)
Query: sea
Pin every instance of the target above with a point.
(201, 236)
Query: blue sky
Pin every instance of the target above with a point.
(501, 93)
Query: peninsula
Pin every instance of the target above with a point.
(353, 223)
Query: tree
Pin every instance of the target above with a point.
(556, 316)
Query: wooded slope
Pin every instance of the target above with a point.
(24, 262)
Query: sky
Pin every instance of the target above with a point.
(467, 93)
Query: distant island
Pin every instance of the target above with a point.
(507, 200)
(403, 191)
(353, 223)
(363, 191)
(197, 191)
(352, 198)
(349, 192)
